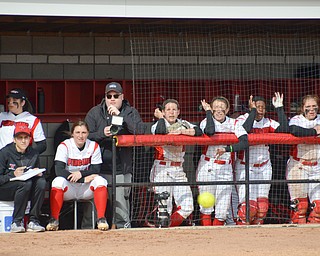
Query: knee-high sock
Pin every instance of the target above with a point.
(56, 202)
(205, 219)
(176, 219)
(100, 200)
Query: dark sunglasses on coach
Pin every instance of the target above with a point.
(116, 96)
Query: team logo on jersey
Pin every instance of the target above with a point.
(79, 162)
(7, 123)
(12, 167)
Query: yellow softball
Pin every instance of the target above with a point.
(206, 200)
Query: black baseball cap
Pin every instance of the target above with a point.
(113, 86)
(17, 93)
(259, 98)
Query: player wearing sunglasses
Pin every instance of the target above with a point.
(99, 120)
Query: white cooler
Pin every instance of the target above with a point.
(6, 211)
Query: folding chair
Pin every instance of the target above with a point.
(75, 208)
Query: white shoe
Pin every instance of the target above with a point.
(17, 228)
(34, 226)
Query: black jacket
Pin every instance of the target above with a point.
(98, 118)
(10, 160)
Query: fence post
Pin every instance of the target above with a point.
(114, 178)
(247, 186)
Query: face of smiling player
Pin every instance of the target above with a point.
(310, 108)
(219, 110)
(15, 106)
(80, 135)
(261, 109)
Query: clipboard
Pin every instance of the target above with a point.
(28, 174)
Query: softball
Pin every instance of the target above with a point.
(206, 200)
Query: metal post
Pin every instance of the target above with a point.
(247, 186)
(75, 214)
(114, 177)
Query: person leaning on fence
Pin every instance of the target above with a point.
(14, 159)
(77, 166)
(304, 163)
(20, 111)
(260, 167)
(215, 163)
(167, 166)
(99, 120)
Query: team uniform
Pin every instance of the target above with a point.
(211, 168)
(8, 122)
(76, 160)
(167, 167)
(259, 169)
(69, 158)
(304, 163)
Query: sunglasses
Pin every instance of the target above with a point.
(116, 96)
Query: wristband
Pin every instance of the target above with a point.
(231, 149)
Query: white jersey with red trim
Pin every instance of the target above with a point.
(305, 151)
(230, 125)
(7, 126)
(259, 153)
(78, 160)
(170, 153)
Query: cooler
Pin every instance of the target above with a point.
(6, 211)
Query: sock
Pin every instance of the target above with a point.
(56, 202)
(217, 222)
(176, 219)
(100, 201)
(205, 219)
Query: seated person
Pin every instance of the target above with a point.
(14, 159)
(77, 166)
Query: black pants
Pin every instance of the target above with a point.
(21, 192)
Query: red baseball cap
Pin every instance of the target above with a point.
(22, 128)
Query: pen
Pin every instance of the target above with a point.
(27, 168)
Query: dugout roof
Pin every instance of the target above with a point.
(109, 16)
(224, 9)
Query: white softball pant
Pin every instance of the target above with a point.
(262, 172)
(74, 190)
(163, 172)
(208, 170)
(296, 170)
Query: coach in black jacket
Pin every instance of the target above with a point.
(14, 159)
(99, 120)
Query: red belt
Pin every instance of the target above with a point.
(171, 163)
(308, 163)
(217, 161)
(256, 165)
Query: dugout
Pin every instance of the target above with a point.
(70, 49)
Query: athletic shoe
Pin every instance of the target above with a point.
(34, 226)
(53, 225)
(17, 227)
(102, 224)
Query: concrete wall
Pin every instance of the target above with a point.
(28, 57)
(33, 57)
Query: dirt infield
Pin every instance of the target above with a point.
(264, 240)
